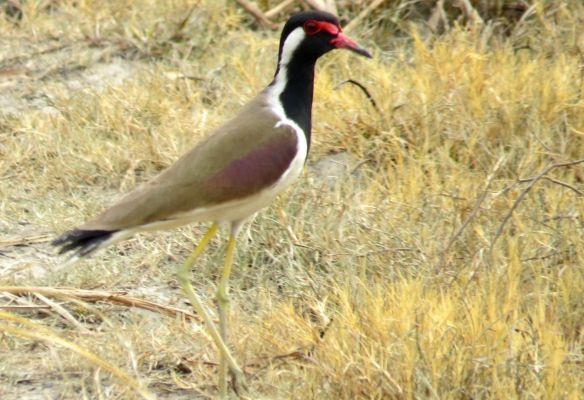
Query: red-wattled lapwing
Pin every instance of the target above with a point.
(232, 174)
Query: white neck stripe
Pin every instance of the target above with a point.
(291, 44)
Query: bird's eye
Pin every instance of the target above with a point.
(311, 27)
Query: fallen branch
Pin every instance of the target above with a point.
(271, 13)
(316, 4)
(255, 11)
(370, 8)
(25, 240)
(99, 295)
(17, 307)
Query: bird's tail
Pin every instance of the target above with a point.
(81, 242)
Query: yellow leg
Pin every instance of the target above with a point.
(223, 307)
(183, 278)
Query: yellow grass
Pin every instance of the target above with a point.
(389, 283)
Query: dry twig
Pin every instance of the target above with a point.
(99, 295)
(40, 333)
(331, 6)
(519, 199)
(471, 215)
(470, 12)
(279, 8)
(363, 89)
(316, 4)
(18, 307)
(438, 17)
(557, 182)
(25, 240)
(62, 312)
(357, 20)
(323, 5)
(255, 11)
(181, 25)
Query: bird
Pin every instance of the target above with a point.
(229, 176)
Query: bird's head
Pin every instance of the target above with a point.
(312, 34)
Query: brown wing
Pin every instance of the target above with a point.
(238, 160)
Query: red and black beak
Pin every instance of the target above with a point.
(343, 42)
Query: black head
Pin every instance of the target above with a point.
(312, 34)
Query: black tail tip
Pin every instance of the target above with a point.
(81, 242)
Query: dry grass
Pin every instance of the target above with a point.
(387, 284)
